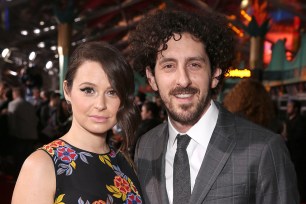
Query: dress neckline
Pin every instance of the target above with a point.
(111, 150)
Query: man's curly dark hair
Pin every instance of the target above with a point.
(154, 31)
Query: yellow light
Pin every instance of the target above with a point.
(245, 15)
(241, 73)
(236, 30)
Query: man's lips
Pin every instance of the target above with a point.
(183, 95)
(183, 92)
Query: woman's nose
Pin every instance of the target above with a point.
(100, 103)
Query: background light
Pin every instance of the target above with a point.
(32, 56)
(49, 65)
(6, 53)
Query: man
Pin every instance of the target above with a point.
(230, 160)
(35, 99)
(22, 125)
(46, 112)
(149, 118)
(296, 143)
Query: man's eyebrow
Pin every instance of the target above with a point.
(196, 58)
(167, 59)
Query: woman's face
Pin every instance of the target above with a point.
(94, 102)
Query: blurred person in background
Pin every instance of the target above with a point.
(30, 78)
(3, 86)
(140, 98)
(22, 126)
(59, 122)
(45, 96)
(296, 142)
(7, 97)
(63, 117)
(81, 166)
(45, 115)
(35, 99)
(249, 99)
(45, 99)
(161, 107)
(149, 119)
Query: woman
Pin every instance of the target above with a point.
(250, 99)
(81, 166)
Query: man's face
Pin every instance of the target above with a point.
(290, 109)
(183, 79)
(145, 114)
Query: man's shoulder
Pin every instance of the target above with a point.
(13, 104)
(156, 132)
(244, 128)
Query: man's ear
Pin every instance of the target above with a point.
(151, 78)
(215, 77)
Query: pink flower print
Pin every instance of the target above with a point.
(122, 185)
(66, 154)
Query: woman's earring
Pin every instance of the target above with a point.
(68, 102)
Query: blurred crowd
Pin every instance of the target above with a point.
(32, 117)
(28, 119)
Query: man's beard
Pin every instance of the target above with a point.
(191, 117)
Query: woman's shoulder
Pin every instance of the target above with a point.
(38, 162)
(36, 171)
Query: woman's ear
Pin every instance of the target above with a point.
(215, 77)
(66, 90)
(151, 78)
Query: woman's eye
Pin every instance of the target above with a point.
(87, 90)
(112, 93)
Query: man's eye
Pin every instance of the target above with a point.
(195, 65)
(87, 90)
(168, 66)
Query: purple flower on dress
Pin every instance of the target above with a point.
(133, 199)
(66, 154)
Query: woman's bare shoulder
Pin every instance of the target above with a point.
(36, 182)
(38, 156)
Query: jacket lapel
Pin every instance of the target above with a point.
(159, 151)
(218, 151)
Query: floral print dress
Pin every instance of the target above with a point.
(84, 177)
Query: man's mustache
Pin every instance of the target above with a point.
(183, 90)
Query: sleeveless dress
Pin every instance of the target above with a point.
(84, 177)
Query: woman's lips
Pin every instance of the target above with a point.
(99, 119)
